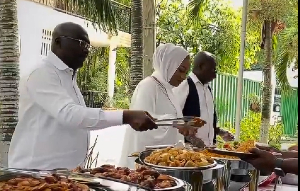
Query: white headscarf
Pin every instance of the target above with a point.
(166, 59)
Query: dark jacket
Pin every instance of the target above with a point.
(192, 105)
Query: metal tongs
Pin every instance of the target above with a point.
(186, 120)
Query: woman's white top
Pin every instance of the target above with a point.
(151, 98)
(154, 94)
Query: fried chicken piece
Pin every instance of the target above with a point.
(142, 168)
(164, 184)
(148, 183)
(112, 175)
(152, 173)
(125, 178)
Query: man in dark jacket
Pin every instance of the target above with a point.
(196, 99)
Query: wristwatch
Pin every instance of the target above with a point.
(278, 167)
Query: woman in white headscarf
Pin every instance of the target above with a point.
(154, 95)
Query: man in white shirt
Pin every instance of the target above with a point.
(54, 123)
(196, 98)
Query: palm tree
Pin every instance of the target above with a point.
(136, 65)
(9, 73)
(103, 14)
(100, 12)
(271, 13)
(286, 52)
(196, 8)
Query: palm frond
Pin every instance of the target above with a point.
(195, 9)
(99, 11)
(286, 54)
(281, 66)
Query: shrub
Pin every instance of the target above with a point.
(250, 129)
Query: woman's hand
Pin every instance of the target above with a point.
(187, 130)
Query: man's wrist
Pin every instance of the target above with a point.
(288, 154)
(278, 164)
(125, 117)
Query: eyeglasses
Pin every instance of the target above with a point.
(82, 43)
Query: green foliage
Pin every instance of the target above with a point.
(93, 76)
(271, 10)
(94, 70)
(286, 52)
(121, 96)
(100, 12)
(217, 31)
(253, 98)
(250, 129)
(196, 9)
(275, 133)
(222, 107)
(124, 2)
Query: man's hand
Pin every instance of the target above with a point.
(293, 148)
(284, 154)
(263, 160)
(226, 135)
(139, 120)
(268, 148)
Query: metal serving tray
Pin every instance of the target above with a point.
(95, 184)
(197, 177)
(144, 154)
(88, 177)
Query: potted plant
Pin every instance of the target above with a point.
(255, 104)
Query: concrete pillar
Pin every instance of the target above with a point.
(111, 73)
(149, 35)
(4, 146)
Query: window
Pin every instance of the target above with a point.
(46, 42)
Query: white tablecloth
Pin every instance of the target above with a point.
(109, 145)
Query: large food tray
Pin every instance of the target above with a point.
(94, 183)
(144, 154)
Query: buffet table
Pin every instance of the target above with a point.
(160, 169)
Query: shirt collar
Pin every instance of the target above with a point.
(196, 80)
(57, 62)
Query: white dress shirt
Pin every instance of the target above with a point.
(206, 133)
(54, 123)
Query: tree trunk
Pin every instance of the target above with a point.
(136, 65)
(149, 35)
(9, 74)
(267, 85)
